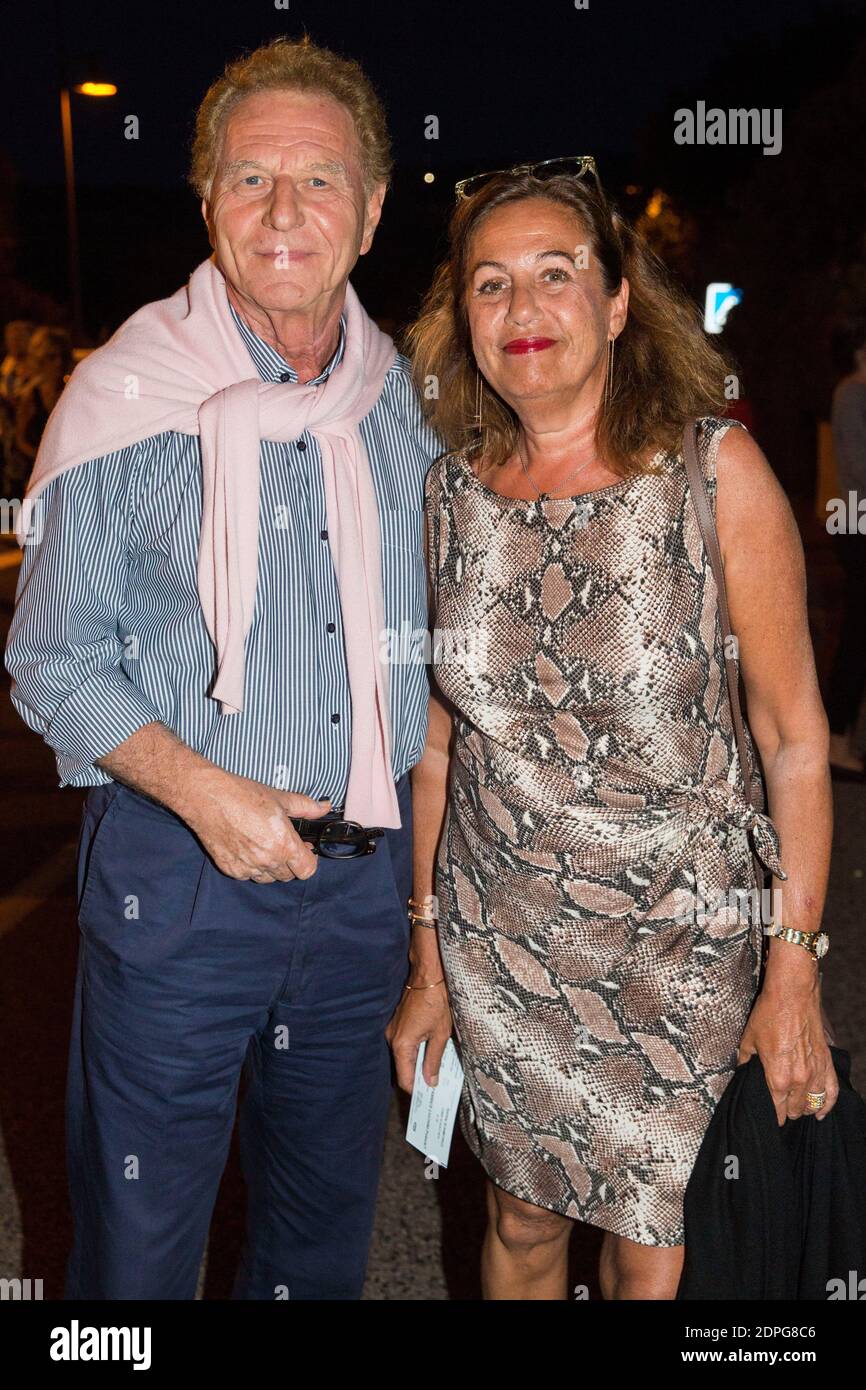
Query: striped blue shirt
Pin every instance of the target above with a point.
(108, 633)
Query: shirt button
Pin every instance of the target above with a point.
(332, 627)
(335, 718)
(301, 445)
(285, 376)
(324, 535)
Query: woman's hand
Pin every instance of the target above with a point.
(789, 1031)
(422, 1014)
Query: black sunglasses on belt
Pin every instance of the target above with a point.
(334, 838)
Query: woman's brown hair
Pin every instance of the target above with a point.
(665, 368)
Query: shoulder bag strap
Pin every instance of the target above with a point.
(700, 498)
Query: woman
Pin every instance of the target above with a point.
(594, 785)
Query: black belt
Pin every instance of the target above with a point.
(336, 838)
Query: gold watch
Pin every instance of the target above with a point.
(817, 943)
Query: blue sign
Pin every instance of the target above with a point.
(720, 300)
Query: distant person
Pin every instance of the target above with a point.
(740, 408)
(49, 363)
(735, 341)
(16, 341)
(13, 374)
(848, 675)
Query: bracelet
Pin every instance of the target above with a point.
(431, 922)
(435, 982)
(429, 904)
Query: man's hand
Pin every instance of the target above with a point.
(245, 828)
(243, 824)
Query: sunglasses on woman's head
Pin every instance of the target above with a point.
(575, 166)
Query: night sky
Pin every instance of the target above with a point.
(507, 81)
(521, 80)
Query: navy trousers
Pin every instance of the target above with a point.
(185, 978)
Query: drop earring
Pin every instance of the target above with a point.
(479, 427)
(608, 378)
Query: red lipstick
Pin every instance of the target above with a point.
(520, 345)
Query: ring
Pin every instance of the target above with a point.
(816, 1099)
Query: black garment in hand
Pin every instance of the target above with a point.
(795, 1217)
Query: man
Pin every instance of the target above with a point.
(212, 935)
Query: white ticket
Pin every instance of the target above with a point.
(434, 1108)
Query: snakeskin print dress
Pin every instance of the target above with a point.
(600, 965)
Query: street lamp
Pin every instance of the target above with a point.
(89, 88)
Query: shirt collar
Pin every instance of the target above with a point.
(271, 366)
